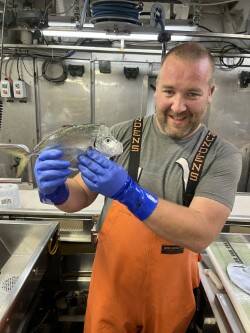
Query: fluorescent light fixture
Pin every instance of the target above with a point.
(175, 38)
(133, 36)
(63, 24)
(170, 27)
(98, 35)
(55, 24)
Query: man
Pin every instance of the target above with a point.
(244, 182)
(145, 267)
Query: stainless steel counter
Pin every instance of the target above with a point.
(230, 304)
(25, 248)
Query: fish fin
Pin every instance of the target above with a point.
(22, 165)
(22, 155)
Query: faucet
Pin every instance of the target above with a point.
(21, 148)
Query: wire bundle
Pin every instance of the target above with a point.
(226, 52)
(115, 11)
(58, 79)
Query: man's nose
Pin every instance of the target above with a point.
(178, 104)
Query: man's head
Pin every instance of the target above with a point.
(184, 89)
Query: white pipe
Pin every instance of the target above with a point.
(60, 7)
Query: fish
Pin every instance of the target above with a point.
(72, 140)
(239, 274)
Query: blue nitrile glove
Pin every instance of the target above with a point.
(51, 173)
(104, 176)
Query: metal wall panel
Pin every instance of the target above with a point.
(118, 98)
(19, 119)
(110, 98)
(229, 114)
(64, 103)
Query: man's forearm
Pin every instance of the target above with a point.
(194, 227)
(79, 197)
(186, 226)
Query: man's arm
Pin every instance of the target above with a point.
(79, 195)
(193, 227)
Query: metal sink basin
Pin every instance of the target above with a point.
(23, 253)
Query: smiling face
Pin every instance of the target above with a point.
(183, 93)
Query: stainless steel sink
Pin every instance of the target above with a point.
(23, 253)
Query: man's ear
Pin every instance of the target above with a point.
(212, 89)
(211, 92)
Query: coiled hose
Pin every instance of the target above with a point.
(58, 79)
(127, 11)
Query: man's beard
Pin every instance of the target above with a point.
(177, 132)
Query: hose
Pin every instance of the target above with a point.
(59, 79)
(124, 10)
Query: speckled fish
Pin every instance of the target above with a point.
(73, 140)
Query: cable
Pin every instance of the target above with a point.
(59, 79)
(84, 13)
(2, 36)
(17, 68)
(53, 246)
(233, 66)
(1, 62)
(225, 50)
(6, 68)
(44, 14)
(157, 18)
(11, 68)
(26, 68)
(205, 28)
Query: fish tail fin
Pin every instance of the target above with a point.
(24, 159)
(22, 155)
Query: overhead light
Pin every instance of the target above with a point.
(70, 33)
(173, 27)
(133, 36)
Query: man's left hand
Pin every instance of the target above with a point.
(100, 174)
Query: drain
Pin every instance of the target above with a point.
(8, 282)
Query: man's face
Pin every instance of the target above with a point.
(182, 95)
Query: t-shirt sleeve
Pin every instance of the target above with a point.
(221, 178)
(122, 131)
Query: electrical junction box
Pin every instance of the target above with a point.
(6, 88)
(19, 88)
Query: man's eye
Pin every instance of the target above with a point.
(193, 94)
(168, 92)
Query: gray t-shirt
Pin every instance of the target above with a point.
(161, 174)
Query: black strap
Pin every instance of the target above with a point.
(135, 148)
(196, 167)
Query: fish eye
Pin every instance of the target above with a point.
(108, 140)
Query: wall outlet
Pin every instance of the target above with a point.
(6, 88)
(19, 88)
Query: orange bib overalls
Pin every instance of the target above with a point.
(134, 286)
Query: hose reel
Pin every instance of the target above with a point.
(115, 15)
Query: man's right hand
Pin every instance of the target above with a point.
(51, 173)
